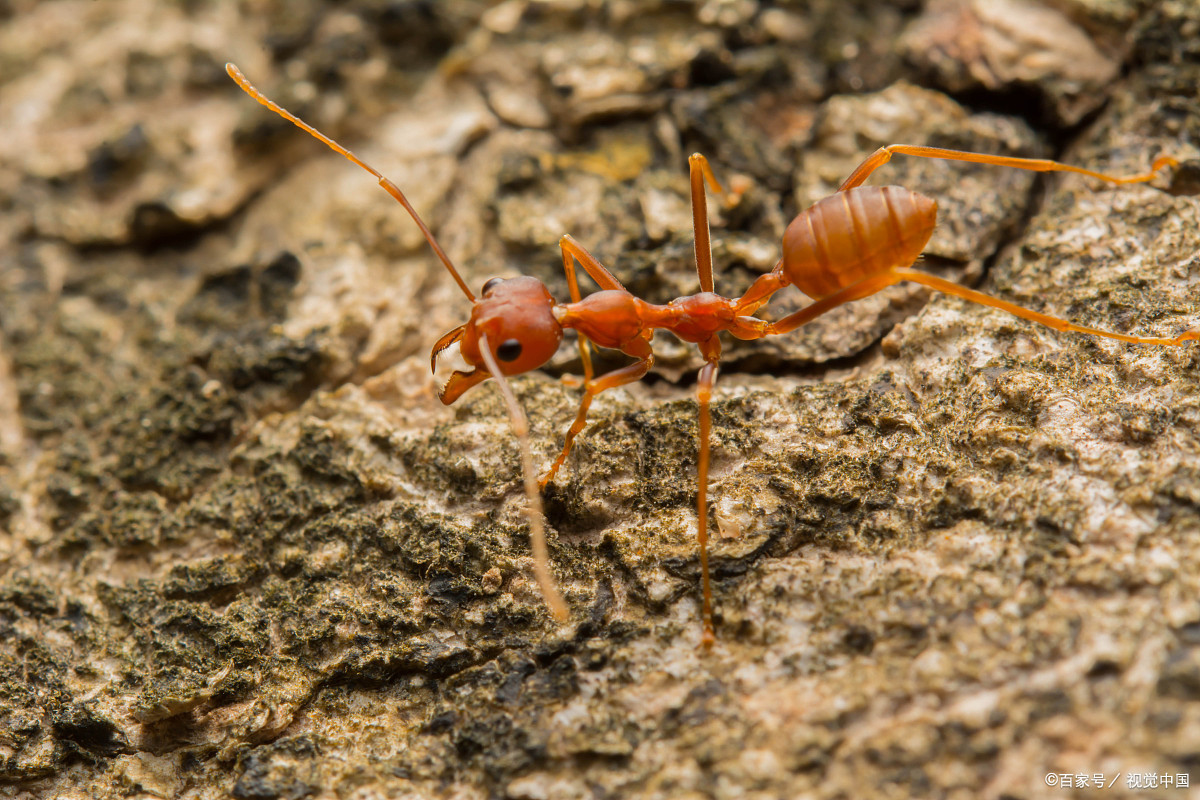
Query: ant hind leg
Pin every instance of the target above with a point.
(1056, 323)
(884, 154)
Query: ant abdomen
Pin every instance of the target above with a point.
(852, 235)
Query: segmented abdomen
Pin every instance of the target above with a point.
(855, 234)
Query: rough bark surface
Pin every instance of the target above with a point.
(244, 550)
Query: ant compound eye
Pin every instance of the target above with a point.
(509, 350)
(492, 284)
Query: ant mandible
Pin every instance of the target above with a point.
(845, 247)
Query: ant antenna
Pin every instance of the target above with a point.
(387, 185)
(533, 494)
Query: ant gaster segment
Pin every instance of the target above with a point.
(845, 247)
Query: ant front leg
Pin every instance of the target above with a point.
(630, 374)
(573, 251)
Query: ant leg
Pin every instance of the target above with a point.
(700, 171)
(884, 155)
(600, 274)
(573, 251)
(573, 285)
(711, 349)
(875, 283)
(856, 291)
(619, 377)
(761, 291)
(1033, 316)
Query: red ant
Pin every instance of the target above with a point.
(845, 247)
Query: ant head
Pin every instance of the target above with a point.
(517, 315)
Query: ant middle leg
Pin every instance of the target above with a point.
(711, 350)
(699, 172)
